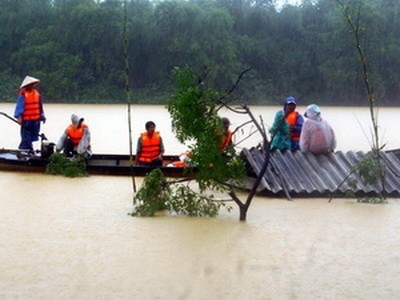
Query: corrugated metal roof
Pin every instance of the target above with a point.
(321, 175)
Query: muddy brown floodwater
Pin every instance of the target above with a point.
(63, 238)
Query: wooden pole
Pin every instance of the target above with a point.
(128, 94)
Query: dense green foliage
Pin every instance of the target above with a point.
(194, 113)
(371, 169)
(76, 48)
(152, 196)
(195, 121)
(157, 194)
(59, 164)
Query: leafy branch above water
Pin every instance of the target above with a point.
(158, 194)
(194, 111)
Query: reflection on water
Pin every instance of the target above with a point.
(63, 238)
(109, 126)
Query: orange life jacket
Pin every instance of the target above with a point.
(183, 160)
(151, 147)
(179, 164)
(292, 120)
(76, 134)
(32, 109)
(226, 141)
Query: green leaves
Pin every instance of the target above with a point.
(371, 169)
(157, 194)
(190, 107)
(195, 121)
(77, 45)
(59, 164)
(187, 202)
(153, 196)
(193, 110)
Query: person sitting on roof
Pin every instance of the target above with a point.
(287, 126)
(150, 146)
(295, 121)
(280, 133)
(75, 139)
(317, 136)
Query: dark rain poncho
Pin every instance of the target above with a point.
(280, 133)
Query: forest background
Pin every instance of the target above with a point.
(76, 48)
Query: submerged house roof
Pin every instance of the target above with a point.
(298, 174)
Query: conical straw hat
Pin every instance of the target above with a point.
(29, 80)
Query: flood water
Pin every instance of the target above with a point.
(71, 238)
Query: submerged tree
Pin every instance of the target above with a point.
(194, 111)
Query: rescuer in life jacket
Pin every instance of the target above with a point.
(75, 139)
(226, 142)
(29, 112)
(295, 121)
(150, 147)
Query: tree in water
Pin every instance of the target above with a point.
(371, 168)
(194, 111)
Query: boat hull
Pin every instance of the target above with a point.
(98, 164)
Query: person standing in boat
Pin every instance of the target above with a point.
(150, 147)
(317, 136)
(29, 112)
(75, 139)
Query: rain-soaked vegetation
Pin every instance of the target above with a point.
(76, 48)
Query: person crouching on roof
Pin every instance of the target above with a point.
(317, 136)
(75, 139)
(295, 121)
(150, 147)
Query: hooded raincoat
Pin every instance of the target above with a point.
(317, 136)
(286, 134)
(280, 133)
(295, 121)
(75, 138)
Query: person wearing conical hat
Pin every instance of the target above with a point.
(29, 112)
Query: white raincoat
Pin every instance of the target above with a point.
(317, 136)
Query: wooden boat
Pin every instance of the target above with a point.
(98, 164)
